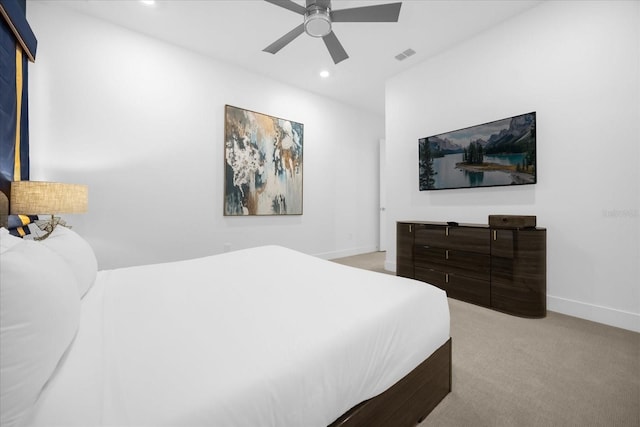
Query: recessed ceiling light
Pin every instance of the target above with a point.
(148, 2)
(324, 74)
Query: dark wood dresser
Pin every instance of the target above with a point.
(501, 268)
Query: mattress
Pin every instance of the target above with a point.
(259, 337)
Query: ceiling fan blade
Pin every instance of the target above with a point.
(289, 4)
(379, 13)
(284, 40)
(336, 50)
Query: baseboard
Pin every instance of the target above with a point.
(347, 252)
(608, 316)
(390, 266)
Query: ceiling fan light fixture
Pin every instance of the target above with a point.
(317, 22)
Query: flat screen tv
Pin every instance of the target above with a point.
(498, 153)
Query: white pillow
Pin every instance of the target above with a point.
(77, 253)
(39, 316)
(7, 240)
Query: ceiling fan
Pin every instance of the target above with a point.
(318, 17)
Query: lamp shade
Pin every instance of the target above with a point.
(41, 198)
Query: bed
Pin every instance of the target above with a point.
(265, 336)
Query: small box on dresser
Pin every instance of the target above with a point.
(512, 221)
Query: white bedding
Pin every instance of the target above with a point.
(259, 337)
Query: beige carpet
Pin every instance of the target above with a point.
(556, 371)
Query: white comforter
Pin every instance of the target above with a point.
(259, 337)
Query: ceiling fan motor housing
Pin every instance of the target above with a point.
(317, 21)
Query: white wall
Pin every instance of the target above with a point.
(141, 122)
(577, 65)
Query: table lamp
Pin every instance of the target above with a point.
(47, 198)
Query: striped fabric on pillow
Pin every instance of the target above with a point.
(18, 224)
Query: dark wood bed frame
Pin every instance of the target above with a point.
(410, 400)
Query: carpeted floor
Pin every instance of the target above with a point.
(556, 371)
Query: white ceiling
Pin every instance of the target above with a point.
(236, 31)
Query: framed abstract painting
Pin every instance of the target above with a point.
(263, 164)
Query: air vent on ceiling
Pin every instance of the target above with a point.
(404, 55)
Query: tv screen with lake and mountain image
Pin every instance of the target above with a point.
(498, 153)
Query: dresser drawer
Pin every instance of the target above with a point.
(453, 261)
(468, 239)
(460, 287)
(404, 249)
(469, 289)
(434, 277)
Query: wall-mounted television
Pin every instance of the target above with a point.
(498, 153)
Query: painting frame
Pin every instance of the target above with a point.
(263, 164)
(493, 154)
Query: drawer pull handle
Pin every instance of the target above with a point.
(446, 277)
(446, 254)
